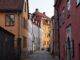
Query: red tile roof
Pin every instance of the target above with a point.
(38, 17)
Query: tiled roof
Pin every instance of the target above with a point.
(37, 16)
(11, 5)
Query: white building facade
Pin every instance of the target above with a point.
(30, 37)
(33, 36)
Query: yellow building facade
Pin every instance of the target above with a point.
(45, 35)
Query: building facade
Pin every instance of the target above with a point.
(52, 36)
(67, 17)
(45, 33)
(43, 22)
(36, 30)
(13, 18)
(36, 37)
(30, 39)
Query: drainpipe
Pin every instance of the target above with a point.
(39, 36)
(58, 34)
(19, 37)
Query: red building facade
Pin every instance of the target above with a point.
(67, 20)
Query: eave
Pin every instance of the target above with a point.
(11, 10)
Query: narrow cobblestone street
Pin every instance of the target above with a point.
(40, 55)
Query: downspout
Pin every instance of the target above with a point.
(57, 2)
(19, 37)
(58, 33)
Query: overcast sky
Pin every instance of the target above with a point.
(42, 5)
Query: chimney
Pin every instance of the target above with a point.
(44, 13)
(36, 10)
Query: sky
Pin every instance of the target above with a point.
(43, 6)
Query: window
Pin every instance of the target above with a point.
(78, 2)
(44, 43)
(48, 35)
(10, 20)
(36, 22)
(48, 42)
(68, 4)
(70, 48)
(33, 20)
(69, 44)
(62, 17)
(25, 9)
(24, 42)
(24, 23)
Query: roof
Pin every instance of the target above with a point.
(11, 5)
(37, 16)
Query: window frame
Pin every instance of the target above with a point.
(24, 23)
(7, 16)
(69, 42)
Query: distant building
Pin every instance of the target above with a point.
(45, 32)
(33, 35)
(43, 22)
(36, 36)
(36, 30)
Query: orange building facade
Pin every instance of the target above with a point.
(13, 18)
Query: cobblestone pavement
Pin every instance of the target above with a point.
(40, 55)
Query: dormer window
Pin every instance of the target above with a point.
(10, 20)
